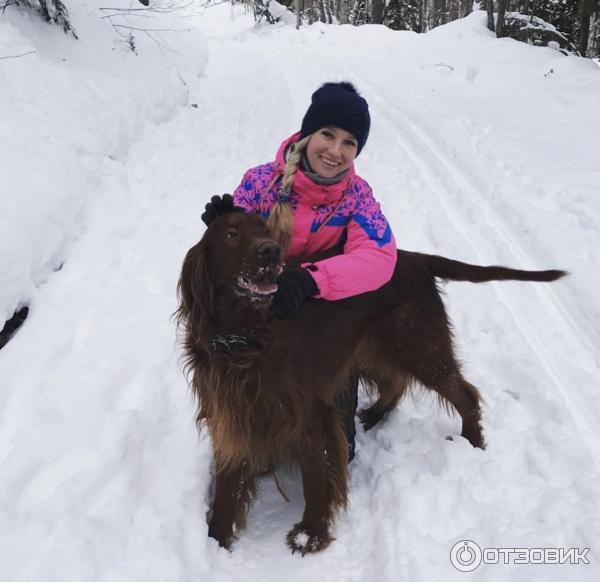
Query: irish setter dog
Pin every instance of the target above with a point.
(268, 390)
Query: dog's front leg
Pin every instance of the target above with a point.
(234, 492)
(323, 465)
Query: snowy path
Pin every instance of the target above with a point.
(104, 477)
(484, 228)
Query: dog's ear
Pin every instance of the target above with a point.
(195, 292)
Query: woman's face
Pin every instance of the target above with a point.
(331, 150)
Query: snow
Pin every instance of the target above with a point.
(530, 21)
(481, 149)
(66, 107)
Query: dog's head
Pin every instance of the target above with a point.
(241, 258)
(233, 267)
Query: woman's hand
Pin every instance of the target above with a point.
(294, 286)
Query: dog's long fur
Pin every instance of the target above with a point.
(268, 390)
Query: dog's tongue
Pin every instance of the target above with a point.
(263, 288)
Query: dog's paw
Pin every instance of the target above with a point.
(308, 539)
(475, 437)
(223, 535)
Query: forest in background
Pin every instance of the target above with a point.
(576, 22)
(572, 26)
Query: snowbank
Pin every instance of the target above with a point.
(65, 105)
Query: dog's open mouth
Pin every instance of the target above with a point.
(259, 287)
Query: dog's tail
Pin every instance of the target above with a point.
(456, 271)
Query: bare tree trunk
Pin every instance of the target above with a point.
(328, 11)
(309, 10)
(377, 11)
(586, 9)
(490, 14)
(435, 13)
(500, 18)
(596, 33)
(298, 15)
(584, 34)
(321, 7)
(354, 11)
(452, 10)
(341, 11)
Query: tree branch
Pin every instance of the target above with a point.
(17, 56)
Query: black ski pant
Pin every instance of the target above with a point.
(348, 402)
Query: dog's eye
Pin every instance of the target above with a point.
(231, 234)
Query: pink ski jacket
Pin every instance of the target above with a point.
(324, 216)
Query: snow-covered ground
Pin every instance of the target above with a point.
(481, 149)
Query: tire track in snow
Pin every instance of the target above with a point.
(419, 148)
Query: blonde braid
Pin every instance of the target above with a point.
(281, 219)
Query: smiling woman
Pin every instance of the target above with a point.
(313, 201)
(330, 151)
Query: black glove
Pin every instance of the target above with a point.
(294, 286)
(217, 206)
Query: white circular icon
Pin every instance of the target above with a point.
(465, 555)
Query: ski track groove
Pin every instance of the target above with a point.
(420, 148)
(578, 407)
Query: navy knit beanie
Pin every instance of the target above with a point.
(339, 105)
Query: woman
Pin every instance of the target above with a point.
(313, 200)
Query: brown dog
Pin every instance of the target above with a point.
(268, 389)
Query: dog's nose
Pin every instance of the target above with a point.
(268, 251)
